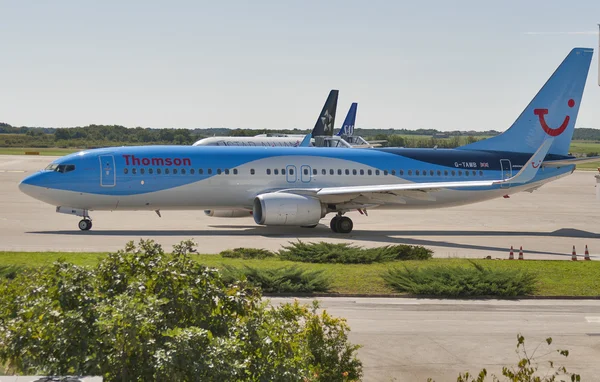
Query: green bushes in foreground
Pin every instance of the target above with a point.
(461, 281)
(323, 252)
(143, 315)
(291, 279)
(247, 253)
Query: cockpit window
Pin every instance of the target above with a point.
(62, 168)
(51, 167)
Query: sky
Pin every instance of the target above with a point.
(446, 65)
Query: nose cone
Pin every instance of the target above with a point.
(30, 186)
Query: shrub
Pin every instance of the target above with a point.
(142, 315)
(460, 281)
(290, 279)
(247, 253)
(323, 252)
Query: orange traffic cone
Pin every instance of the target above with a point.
(574, 255)
(587, 254)
(511, 256)
(521, 253)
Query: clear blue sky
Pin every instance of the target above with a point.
(449, 65)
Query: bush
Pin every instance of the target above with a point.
(461, 282)
(323, 252)
(247, 253)
(142, 315)
(291, 279)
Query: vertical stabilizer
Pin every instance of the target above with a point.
(348, 126)
(551, 113)
(326, 120)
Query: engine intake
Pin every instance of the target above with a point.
(287, 209)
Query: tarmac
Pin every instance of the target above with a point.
(546, 223)
(415, 339)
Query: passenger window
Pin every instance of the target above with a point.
(200, 171)
(445, 172)
(466, 173)
(314, 171)
(167, 171)
(251, 171)
(369, 172)
(460, 172)
(268, 171)
(183, 171)
(385, 172)
(174, 171)
(393, 172)
(347, 172)
(354, 172)
(331, 172)
(409, 172)
(226, 171)
(376, 172)
(125, 170)
(401, 172)
(134, 171)
(324, 172)
(150, 171)
(283, 171)
(439, 173)
(339, 172)
(219, 171)
(235, 171)
(209, 171)
(158, 171)
(276, 172)
(474, 173)
(291, 171)
(480, 173)
(305, 171)
(192, 171)
(453, 173)
(431, 172)
(417, 172)
(362, 172)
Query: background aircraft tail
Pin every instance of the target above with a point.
(552, 112)
(326, 120)
(348, 126)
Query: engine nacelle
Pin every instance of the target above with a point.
(228, 213)
(287, 209)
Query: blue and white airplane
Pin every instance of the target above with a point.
(300, 186)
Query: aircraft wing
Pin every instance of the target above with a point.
(396, 193)
(566, 162)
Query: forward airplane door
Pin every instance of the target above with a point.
(108, 176)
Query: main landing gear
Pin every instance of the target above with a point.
(85, 224)
(341, 224)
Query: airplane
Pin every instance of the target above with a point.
(323, 127)
(282, 186)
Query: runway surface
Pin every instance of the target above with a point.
(547, 223)
(413, 339)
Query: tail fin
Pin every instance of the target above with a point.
(348, 126)
(552, 112)
(326, 120)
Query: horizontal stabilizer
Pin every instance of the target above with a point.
(569, 161)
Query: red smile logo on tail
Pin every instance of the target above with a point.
(550, 131)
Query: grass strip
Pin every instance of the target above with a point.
(554, 277)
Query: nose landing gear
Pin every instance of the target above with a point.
(341, 224)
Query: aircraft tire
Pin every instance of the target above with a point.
(85, 224)
(333, 223)
(344, 225)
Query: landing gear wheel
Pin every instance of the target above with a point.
(309, 226)
(344, 225)
(85, 224)
(333, 223)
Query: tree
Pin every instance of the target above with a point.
(141, 315)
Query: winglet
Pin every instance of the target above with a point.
(532, 166)
(306, 141)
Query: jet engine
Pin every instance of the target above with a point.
(228, 213)
(287, 209)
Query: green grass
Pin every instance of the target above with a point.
(42, 151)
(555, 278)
